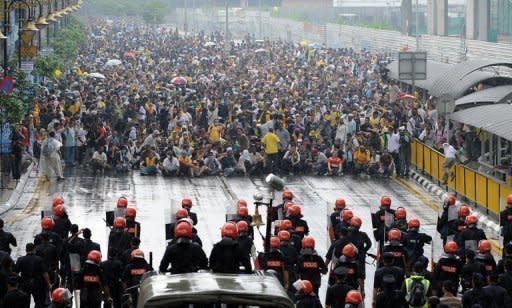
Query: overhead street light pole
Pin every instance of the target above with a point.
(417, 27)
(226, 40)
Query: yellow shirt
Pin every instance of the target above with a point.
(271, 141)
(361, 157)
(150, 161)
(214, 133)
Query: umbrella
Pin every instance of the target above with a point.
(179, 80)
(129, 54)
(113, 62)
(260, 50)
(96, 75)
(406, 96)
(209, 44)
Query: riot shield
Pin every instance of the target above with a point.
(170, 218)
(111, 215)
(231, 210)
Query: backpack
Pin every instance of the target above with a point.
(416, 294)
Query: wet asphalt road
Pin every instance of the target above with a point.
(87, 198)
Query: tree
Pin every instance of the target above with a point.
(154, 12)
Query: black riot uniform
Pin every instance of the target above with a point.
(133, 227)
(226, 257)
(245, 242)
(449, 267)
(132, 275)
(291, 257)
(308, 301)
(487, 260)
(507, 255)
(91, 285)
(468, 269)
(53, 238)
(310, 266)
(184, 256)
(398, 252)
(88, 245)
(113, 270)
(336, 293)
(33, 282)
(195, 237)
(469, 239)
(274, 260)
(119, 239)
(301, 226)
(362, 242)
(506, 224)
(379, 223)
(388, 269)
(62, 226)
(334, 219)
(413, 242)
(48, 252)
(355, 275)
(6, 239)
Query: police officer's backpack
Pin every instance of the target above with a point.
(416, 295)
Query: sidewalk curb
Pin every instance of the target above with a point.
(434, 189)
(16, 194)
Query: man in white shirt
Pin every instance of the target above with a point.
(99, 160)
(170, 166)
(450, 154)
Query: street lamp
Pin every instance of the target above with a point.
(29, 28)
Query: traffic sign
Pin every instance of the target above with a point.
(7, 85)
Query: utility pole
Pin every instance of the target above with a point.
(417, 27)
(185, 25)
(226, 39)
(259, 20)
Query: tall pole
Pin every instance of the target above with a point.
(185, 25)
(226, 42)
(260, 24)
(6, 26)
(417, 27)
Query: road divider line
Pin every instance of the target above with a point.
(434, 206)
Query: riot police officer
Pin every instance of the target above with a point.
(226, 255)
(485, 257)
(335, 217)
(350, 260)
(113, 269)
(400, 222)
(344, 223)
(118, 237)
(133, 272)
(307, 297)
(47, 225)
(132, 226)
(34, 278)
(186, 203)
(359, 238)
(310, 266)
(397, 249)
(245, 242)
(184, 255)
(336, 293)
(300, 225)
(468, 269)
(62, 224)
(278, 212)
(471, 236)
(295, 239)
(382, 220)
(48, 252)
(414, 241)
(242, 214)
(446, 223)
(449, 266)
(291, 256)
(275, 260)
(61, 298)
(92, 284)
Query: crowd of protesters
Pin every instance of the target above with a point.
(153, 100)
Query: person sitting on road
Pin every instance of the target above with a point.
(361, 160)
(99, 160)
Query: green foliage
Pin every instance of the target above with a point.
(45, 66)
(154, 12)
(13, 109)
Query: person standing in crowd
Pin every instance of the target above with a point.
(271, 142)
(50, 162)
